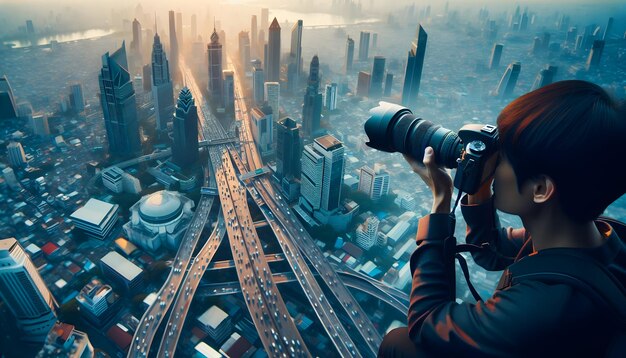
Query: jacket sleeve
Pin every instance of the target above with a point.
(506, 323)
(483, 226)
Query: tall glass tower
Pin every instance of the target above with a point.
(185, 147)
(312, 106)
(214, 50)
(162, 91)
(414, 65)
(273, 53)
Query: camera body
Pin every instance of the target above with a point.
(393, 128)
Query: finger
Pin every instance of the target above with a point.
(429, 157)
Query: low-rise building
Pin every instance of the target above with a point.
(122, 271)
(96, 218)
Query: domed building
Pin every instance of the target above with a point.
(159, 219)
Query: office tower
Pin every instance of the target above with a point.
(262, 126)
(378, 74)
(273, 53)
(244, 50)
(162, 88)
(312, 106)
(571, 36)
(414, 66)
(229, 91)
(264, 19)
(292, 82)
(24, 292)
(272, 96)
(39, 124)
(288, 149)
(374, 42)
(545, 41)
(30, 29)
(15, 152)
(216, 85)
(593, 61)
(388, 84)
(523, 25)
(296, 48)
(496, 55)
(146, 72)
(63, 341)
(349, 54)
(258, 78)
(544, 77)
(77, 100)
(173, 46)
(185, 146)
(254, 37)
(179, 29)
(136, 45)
(322, 174)
(364, 44)
(537, 47)
(608, 29)
(119, 108)
(374, 182)
(508, 80)
(363, 84)
(588, 37)
(8, 108)
(366, 233)
(194, 29)
(331, 97)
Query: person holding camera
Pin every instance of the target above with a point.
(557, 162)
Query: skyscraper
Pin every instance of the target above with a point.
(374, 42)
(364, 44)
(544, 77)
(593, 61)
(496, 54)
(136, 45)
(608, 29)
(331, 96)
(374, 182)
(414, 65)
(15, 152)
(162, 90)
(388, 84)
(229, 91)
(264, 19)
(244, 50)
(40, 125)
(272, 96)
(77, 100)
(174, 51)
(273, 53)
(117, 98)
(214, 50)
(295, 54)
(312, 106)
(8, 108)
(322, 174)
(366, 233)
(30, 29)
(23, 290)
(185, 146)
(254, 38)
(378, 74)
(288, 149)
(147, 77)
(349, 54)
(258, 79)
(508, 80)
(363, 84)
(262, 126)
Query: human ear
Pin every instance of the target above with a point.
(543, 189)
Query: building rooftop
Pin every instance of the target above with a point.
(124, 267)
(93, 212)
(213, 317)
(205, 350)
(328, 142)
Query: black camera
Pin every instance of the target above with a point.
(393, 128)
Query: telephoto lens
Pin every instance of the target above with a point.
(393, 128)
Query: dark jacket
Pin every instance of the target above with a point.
(530, 318)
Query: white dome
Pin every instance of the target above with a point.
(160, 207)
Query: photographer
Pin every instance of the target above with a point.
(559, 165)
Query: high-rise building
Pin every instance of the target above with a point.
(136, 45)
(95, 301)
(496, 54)
(229, 91)
(367, 232)
(273, 53)
(216, 85)
(331, 96)
(179, 29)
(265, 19)
(244, 50)
(508, 80)
(322, 174)
(544, 77)
(174, 51)
(378, 74)
(24, 292)
(374, 182)
(258, 79)
(262, 126)
(570, 38)
(349, 54)
(593, 61)
(364, 44)
(608, 29)
(77, 100)
(414, 66)
(39, 124)
(117, 97)
(112, 179)
(162, 90)
(185, 146)
(15, 152)
(146, 72)
(261, 45)
(388, 84)
(363, 84)
(295, 54)
(30, 29)
(288, 149)
(254, 38)
(11, 180)
(374, 42)
(272, 96)
(312, 106)
(8, 108)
